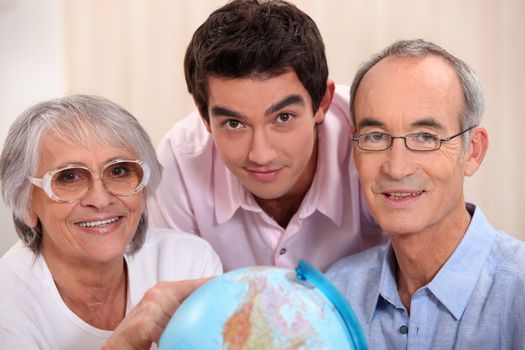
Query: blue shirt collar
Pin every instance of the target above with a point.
(387, 284)
(386, 290)
(454, 283)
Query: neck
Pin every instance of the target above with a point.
(98, 295)
(420, 256)
(282, 209)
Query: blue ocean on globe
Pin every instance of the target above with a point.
(265, 308)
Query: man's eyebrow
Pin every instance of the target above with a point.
(367, 121)
(425, 122)
(218, 111)
(428, 123)
(289, 100)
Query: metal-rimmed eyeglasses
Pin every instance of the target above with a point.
(419, 141)
(69, 184)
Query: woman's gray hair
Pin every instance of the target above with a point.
(473, 103)
(80, 119)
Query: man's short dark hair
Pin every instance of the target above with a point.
(256, 39)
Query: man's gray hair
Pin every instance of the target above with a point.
(80, 119)
(473, 104)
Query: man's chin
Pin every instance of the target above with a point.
(269, 194)
(266, 196)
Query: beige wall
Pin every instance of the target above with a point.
(132, 51)
(31, 70)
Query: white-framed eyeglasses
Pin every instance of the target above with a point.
(69, 184)
(420, 141)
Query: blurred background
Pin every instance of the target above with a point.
(131, 51)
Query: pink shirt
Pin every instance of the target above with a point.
(199, 194)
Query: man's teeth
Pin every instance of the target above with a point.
(399, 195)
(98, 223)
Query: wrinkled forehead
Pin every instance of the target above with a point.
(405, 88)
(75, 136)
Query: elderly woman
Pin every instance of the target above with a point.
(76, 173)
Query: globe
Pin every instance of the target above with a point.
(265, 308)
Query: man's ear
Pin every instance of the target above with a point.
(352, 130)
(203, 118)
(325, 101)
(477, 148)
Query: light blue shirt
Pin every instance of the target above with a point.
(476, 300)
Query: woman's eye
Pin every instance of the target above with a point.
(72, 175)
(119, 171)
(67, 176)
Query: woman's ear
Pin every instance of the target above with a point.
(30, 218)
(476, 150)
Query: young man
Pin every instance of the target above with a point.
(446, 279)
(264, 170)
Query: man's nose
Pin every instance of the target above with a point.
(398, 160)
(262, 151)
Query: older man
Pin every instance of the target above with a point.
(446, 279)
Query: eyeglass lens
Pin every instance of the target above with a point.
(381, 141)
(120, 178)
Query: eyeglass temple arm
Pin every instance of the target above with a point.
(36, 181)
(459, 133)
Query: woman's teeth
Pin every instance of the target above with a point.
(99, 223)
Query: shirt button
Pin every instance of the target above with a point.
(282, 251)
(403, 329)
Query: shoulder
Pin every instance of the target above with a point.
(188, 136)
(507, 255)
(333, 131)
(504, 253)
(337, 119)
(358, 268)
(24, 290)
(505, 283)
(16, 265)
(162, 239)
(341, 95)
(176, 255)
(368, 259)
(20, 265)
(503, 273)
(186, 151)
(357, 277)
(340, 105)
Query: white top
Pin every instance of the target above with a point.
(199, 194)
(34, 316)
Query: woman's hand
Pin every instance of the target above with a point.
(147, 320)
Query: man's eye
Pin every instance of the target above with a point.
(233, 124)
(284, 118)
(425, 138)
(374, 137)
